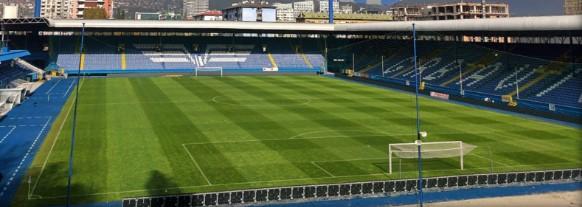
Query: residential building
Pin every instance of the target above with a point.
(209, 16)
(340, 18)
(303, 6)
(250, 12)
(56, 9)
(324, 6)
(194, 7)
(79, 7)
(148, 16)
(572, 7)
(407, 10)
(285, 12)
(345, 9)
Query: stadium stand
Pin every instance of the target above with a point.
(113, 55)
(489, 72)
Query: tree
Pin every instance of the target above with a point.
(95, 13)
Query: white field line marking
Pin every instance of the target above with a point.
(270, 181)
(69, 88)
(305, 101)
(297, 137)
(476, 155)
(260, 140)
(196, 164)
(53, 145)
(322, 169)
(28, 152)
(22, 125)
(53, 87)
(7, 134)
(328, 131)
(29, 117)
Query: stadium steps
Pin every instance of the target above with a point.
(546, 71)
(300, 52)
(123, 57)
(529, 84)
(272, 60)
(25, 65)
(82, 64)
(486, 60)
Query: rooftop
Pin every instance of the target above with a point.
(406, 3)
(341, 16)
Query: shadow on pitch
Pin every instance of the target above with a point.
(160, 184)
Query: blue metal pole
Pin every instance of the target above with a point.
(75, 120)
(37, 8)
(330, 10)
(417, 83)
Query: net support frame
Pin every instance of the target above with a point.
(211, 69)
(461, 151)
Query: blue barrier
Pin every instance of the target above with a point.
(25, 128)
(492, 98)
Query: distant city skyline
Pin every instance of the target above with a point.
(516, 7)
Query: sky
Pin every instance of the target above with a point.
(516, 7)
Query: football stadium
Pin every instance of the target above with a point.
(185, 113)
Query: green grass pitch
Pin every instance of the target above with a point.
(152, 136)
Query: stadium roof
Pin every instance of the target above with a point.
(556, 24)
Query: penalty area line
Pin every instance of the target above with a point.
(196, 164)
(322, 169)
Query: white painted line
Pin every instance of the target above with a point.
(29, 117)
(476, 155)
(21, 163)
(53, 87)
(51, 149)
(68, 89)
(7, 134)
(196, 164)
(322, 169)
(23, 125)
(286, 139)
(52, 146)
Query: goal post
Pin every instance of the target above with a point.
(429, 150)
(208, 70)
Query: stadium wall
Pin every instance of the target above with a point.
(534, 109)
(360, 189)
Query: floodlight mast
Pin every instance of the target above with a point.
(330, 10)
(418, 138)
(73, 130)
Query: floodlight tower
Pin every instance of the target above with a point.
(330, 10)
(37, 8)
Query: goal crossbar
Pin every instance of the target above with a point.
(429, 150)
(208, 69)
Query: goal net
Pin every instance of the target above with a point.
(429, 150)
(209, 71)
